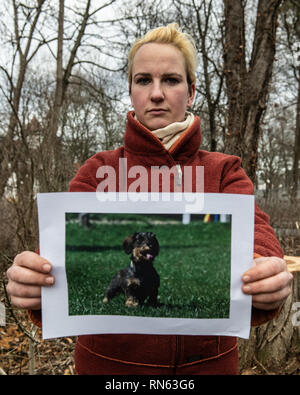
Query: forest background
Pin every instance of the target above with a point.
(64, 96)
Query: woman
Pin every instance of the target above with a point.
(160, 132)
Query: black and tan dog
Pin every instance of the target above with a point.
(139, 281)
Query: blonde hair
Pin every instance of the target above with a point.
(170, 34)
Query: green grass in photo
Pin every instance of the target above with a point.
(193, 264)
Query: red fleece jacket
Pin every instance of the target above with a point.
(163, 354)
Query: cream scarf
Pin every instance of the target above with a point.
(171, 133)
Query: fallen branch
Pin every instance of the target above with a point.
(10, 309)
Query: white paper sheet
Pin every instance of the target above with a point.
(56, 320)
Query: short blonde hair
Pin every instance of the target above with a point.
(170, 34)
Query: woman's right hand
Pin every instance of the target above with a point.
(28, 273)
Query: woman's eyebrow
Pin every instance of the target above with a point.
(142, 75)
(165, 75)
(172, 75)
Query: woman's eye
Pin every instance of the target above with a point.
(172, 81)
(143, 81)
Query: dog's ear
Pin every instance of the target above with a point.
(154, 242)
(128, 243)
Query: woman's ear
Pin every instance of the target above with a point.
(192, 90)
(130, 91)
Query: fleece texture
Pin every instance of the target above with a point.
(164, 354)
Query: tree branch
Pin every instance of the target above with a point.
(97, 65)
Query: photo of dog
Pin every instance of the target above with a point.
(139, 281)
(148, 265)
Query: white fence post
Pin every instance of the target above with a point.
(186, 218)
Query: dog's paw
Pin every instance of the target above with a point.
(130, 302)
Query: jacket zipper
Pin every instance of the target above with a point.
(179, 171)
(179, 175)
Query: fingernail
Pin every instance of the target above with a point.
(46, 267)
(49, 280)
(246, 278)
(246, 288)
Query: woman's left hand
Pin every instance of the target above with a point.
(268, 281)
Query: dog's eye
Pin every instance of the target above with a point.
(139, 239)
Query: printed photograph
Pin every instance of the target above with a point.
(149, 265)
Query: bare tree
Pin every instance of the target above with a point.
(248, 84)
(291, 21)
(24, 39)
(204, 22)
(275, 149)
(34, 155)
(63, 79)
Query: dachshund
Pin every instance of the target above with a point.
(139, 281)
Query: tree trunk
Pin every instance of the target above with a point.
(211, 101)
(273, 347)
(296, 160)
(197, 17)
(51, 177)
(247, 89)
(54, 114)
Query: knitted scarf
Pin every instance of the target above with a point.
(171, 133)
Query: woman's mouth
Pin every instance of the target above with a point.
(157, 111)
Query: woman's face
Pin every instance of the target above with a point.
(159, 91)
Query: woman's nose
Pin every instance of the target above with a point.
(157, 93)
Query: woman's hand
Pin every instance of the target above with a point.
(28, 273)
(268, 281)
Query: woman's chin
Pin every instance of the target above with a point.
(156, 124)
